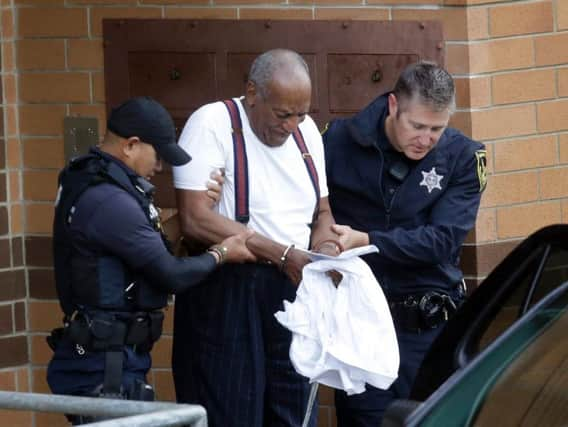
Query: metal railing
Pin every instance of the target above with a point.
(132, 413)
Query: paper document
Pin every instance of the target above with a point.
(363, 250)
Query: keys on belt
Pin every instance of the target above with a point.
(420, 312)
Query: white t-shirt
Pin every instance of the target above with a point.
(281, 195)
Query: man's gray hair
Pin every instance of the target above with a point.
(265, 66)
(428, 83)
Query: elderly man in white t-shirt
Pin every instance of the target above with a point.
(230, 354)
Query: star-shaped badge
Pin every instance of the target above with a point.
(431, 180)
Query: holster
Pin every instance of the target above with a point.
(102, 331)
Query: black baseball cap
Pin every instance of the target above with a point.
(148, 120)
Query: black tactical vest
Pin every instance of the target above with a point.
(101, 280)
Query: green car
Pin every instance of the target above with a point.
(503, 359)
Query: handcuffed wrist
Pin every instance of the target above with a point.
(329, 242)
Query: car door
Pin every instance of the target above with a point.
(533, 269)
(520, 379)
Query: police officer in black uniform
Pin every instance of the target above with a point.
(412, 186)
(113, 267)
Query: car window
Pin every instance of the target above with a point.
(546, 269)
(533, 390)
(555, 272)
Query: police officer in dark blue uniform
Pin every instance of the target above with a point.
(412, 187)
(113, 267)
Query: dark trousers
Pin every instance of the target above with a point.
(367, 409)
(232, 356)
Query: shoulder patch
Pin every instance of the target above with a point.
(325, 128)
(481, 157)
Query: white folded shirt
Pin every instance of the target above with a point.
(342, 337)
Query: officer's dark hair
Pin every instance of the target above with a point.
(428, 83)
(265, 66)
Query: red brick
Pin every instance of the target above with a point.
(98, 84)
(503, 122)
(7, 19)
(266, 13)
(563, 142)
(346, 13)
(43, 153)
(522, 220)
(501, 55)
(202, 12)
(39, 381)
(39, 218)
(551, 50)
(162, 353)
(40, 185)
(44, 316)
(486, 225)
(55, 87)
(38, 120)
(16, 218)
(523, 86)
(49, 419)
(40, 352)
(526, 153)
(164, 385)
(562, 14)
(554, 183)
(16, 418)
(8, 56)
(458, 23)
(562, 75)
(473, 92)
(520, 18)
(511, 188)
(552, 116)
(8, 381)
(85, 54)
(41, 54)
(52, 22)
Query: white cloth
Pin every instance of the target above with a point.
(342, 337)
(281, 195)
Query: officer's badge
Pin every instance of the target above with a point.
(481, 157)
(431, 180)
(155, 216)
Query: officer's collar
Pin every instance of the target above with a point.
(141, 183)
(367, 126)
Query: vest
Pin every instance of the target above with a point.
(100, 280)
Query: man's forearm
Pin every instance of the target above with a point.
(198, 221)
(322, 232)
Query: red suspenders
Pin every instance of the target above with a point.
(241, 165)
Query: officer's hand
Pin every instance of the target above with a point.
(237, 250)
(349, 238)
(295, 262)
(215, 185)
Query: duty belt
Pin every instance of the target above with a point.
(422, 312)
(103, 331)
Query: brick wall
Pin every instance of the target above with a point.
(14, 372)
(511, 66)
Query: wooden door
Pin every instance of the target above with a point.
(186, 63)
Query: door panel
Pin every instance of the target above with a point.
(186, 63)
